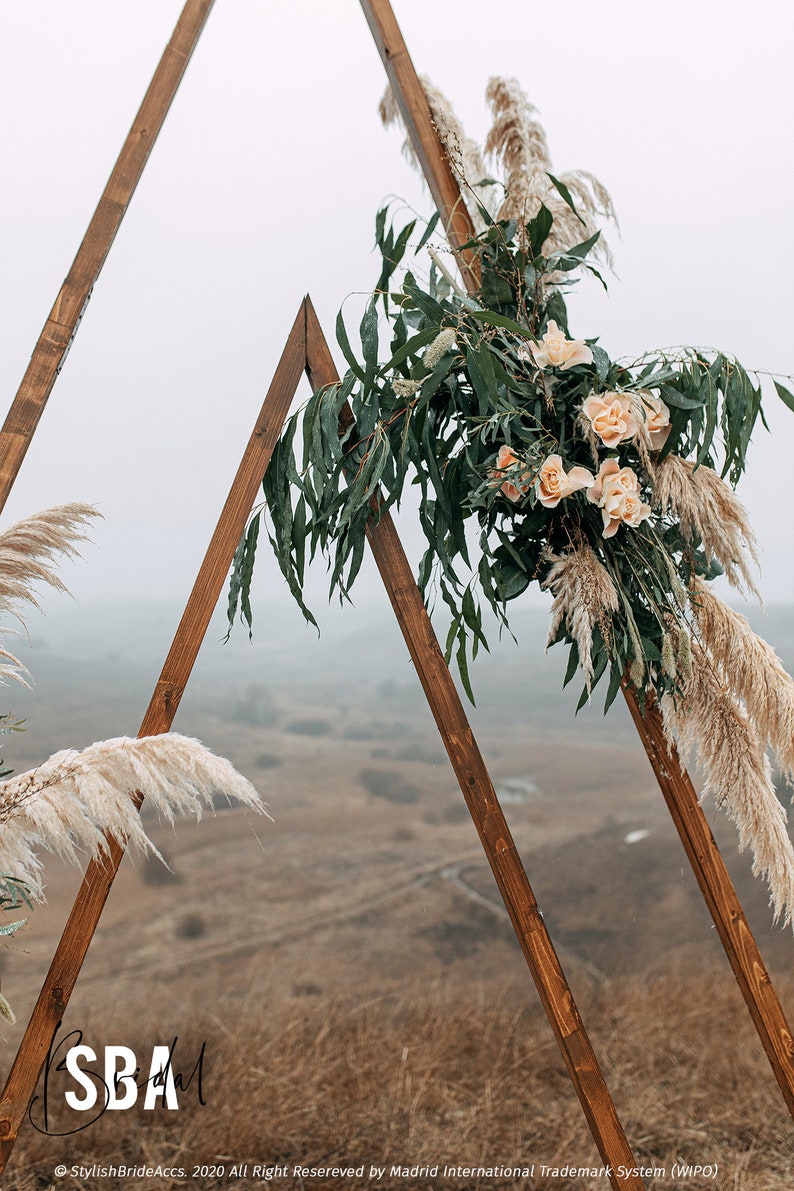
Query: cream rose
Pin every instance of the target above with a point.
(553, 483)
(611, 417)
(506, 460)
(616, 491)
(657, 419)
(555, 351)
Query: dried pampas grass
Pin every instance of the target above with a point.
(68, 804)
(518, 142)
(584, 596)
(28, 551)
(462, 153)
(705, 718)
(752, 669)
(707, 508)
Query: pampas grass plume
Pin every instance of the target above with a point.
(28, 550)
(752, 669)
(584, 596)
(706, 719)
(706, 506)
(518, 142)
(71, 803)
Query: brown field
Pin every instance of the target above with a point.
(350, 966)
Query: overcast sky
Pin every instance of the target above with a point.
(264, 185)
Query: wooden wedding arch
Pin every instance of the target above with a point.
(306, 350)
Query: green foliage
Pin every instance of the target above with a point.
(14, 894)
(439, 383)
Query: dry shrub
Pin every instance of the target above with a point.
(455, 1076)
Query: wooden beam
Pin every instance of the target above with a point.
(410, 96)
(712, 876)
(60, 328)
(486, 811)
(719, 893)
(100, 874)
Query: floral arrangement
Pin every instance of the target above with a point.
(540, 458)
(70, 803)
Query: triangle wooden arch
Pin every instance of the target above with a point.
(307, 350)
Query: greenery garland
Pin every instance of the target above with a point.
(540, 458)
(541, 441)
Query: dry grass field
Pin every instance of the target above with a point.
(349, 965)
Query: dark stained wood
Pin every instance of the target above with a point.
(485, 810)
(59, 330)
(719, 894)
(411, 99)
(709, 868)
(100, 874)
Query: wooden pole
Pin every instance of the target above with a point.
(719, 893)
(410, 96)
(100, 874)
(60, 328)
(679, 793)
(486, 811)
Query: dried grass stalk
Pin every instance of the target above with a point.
(518, 142)
(68, 804)
(28, 551)
(707, 508)
(584, 596)
(462, 152)
(707, 719)
(752, 669)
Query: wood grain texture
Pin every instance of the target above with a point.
(486, 811)
(719, 894)
(100, 874)
(708, 866)
(61, 326)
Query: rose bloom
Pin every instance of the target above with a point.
(616, 491)
(611, 417)
(506, 459)
(555, 351)
(657, 419)
(553, 483)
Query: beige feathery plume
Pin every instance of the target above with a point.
(462, 152)
(707, 719)
(752, 669)
(68, 804)
(518, 142)
(28, 551)
(705, 506)
(584, 596)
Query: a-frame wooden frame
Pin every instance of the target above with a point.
(74, 295)
(306, 349)
(676, 785)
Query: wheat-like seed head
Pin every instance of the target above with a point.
(584, 596)
(517, 141)
(704, 505)
(75, 800)
(751, 668)
(28, 552)
(706, 719)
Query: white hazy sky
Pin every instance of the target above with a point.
(264, 184)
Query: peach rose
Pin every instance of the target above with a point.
(506, 460)
(616, 491)
(555, 351)
(657, 419)
(611, 417)
(553, 483)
